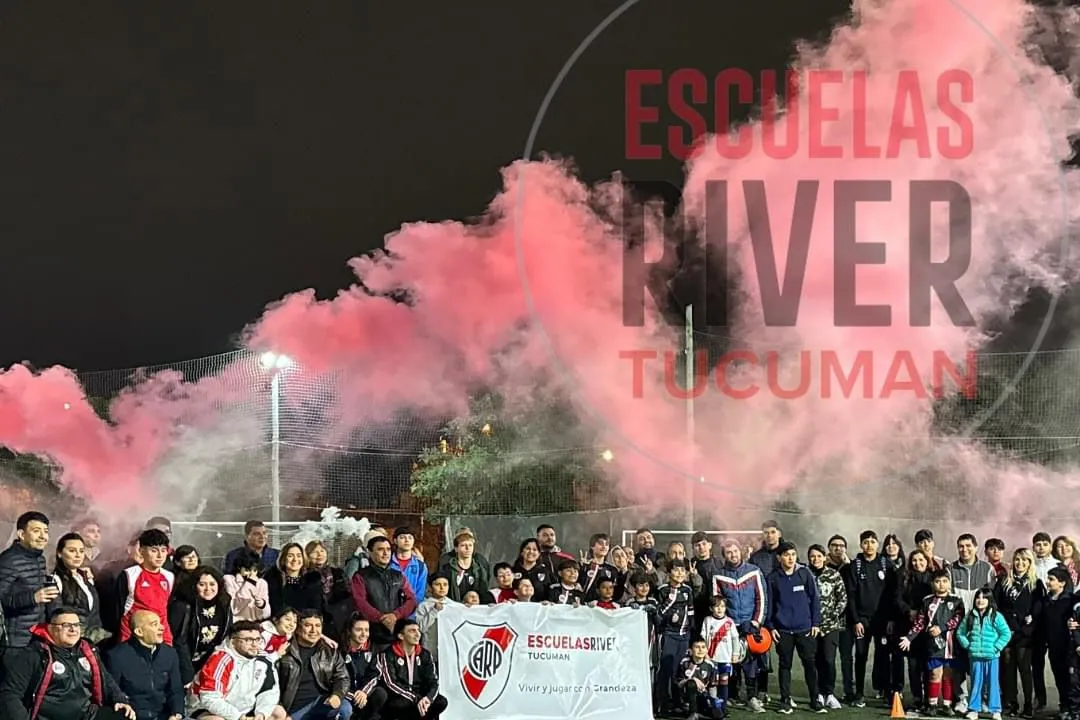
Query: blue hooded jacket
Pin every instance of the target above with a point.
(743, 587)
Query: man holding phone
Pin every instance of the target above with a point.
(25, 586)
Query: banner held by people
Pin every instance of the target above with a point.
(529, 661)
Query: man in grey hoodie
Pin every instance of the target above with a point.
(968, 574)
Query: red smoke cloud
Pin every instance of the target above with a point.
(468, 319)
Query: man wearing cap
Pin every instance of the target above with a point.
(408, 564)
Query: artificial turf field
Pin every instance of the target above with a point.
(876, 709)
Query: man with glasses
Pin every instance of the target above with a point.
(59, 676)
(838, 560)
(237, 683)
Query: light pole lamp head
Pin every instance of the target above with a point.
(271, 360)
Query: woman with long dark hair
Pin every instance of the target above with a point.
(291, 583)
(913, 586)
(200, 618)
(355, 648)
(528, 566)
(76, 584)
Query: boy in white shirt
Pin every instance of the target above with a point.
(724, 647)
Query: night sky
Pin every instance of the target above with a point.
(168, 169)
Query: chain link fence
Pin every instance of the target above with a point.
(368, 471)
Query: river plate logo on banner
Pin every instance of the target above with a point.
(484, 655)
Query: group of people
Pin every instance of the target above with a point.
(962, 631)
(156, 634)
(275, 634)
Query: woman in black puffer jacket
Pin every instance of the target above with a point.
(913, 587)
(1019, 597)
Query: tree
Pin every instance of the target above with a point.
(529, 456)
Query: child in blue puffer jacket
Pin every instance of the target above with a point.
(984, 633)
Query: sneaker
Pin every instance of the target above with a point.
(818, 707)
(961, 707)
(754, 705)
(849, 699)
(832, 703)
(995, 716)
(785, 709)
(972, 716)
(858, 702)
(791, 702)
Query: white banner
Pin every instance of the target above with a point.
(527, 661)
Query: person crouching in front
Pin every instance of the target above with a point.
(697, 680)
(408, 673)
(59, 676)
(359, 656)
(314, 681)
(237, 681)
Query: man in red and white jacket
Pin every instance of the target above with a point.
(148, 585)
(236, 681)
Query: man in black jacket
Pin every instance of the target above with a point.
(24, 586)
(408, 673)
(59, 676)
(871, 589)
(147, 671)
(314, 680)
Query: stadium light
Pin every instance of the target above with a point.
(271, 360)
(275, 362)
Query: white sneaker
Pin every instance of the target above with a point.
(820, 700)
(755, 705)
(832, 703)
(972, 716)
(995, 716)
(791, 701)
(960, 708)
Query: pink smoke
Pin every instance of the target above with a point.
(468, 320)
(110, 464)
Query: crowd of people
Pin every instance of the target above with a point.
(959, 634)
(155, 633)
